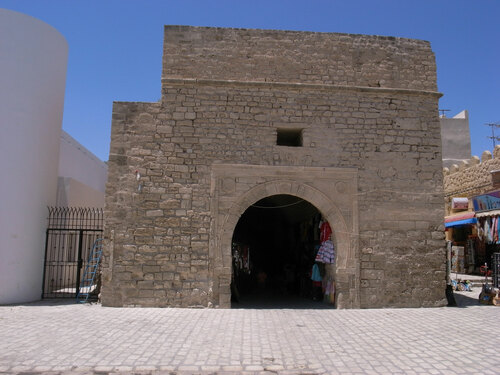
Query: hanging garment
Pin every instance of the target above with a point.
(480, 230)
(325, 231)
(328, 287)
(330, 291)
(326, 253)
(487, 231)
(497, 240)
(246, 259)
(331, 295)
(493, 229)
(471, 254)
(315, 275)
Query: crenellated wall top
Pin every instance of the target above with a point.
(486, 156)
(472, 176)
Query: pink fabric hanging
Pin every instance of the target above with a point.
(325, 231)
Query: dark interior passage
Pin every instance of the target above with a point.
(274, 247)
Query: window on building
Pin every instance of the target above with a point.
(289, 137)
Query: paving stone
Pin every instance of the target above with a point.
(127, 340)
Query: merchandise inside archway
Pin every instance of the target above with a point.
(283, 256)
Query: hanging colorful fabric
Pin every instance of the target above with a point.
(326, 253)
(315, 275)
(487, 231)
(494, 233)
(480, 230)
(332, 292)
(325, 231)
(497, 241)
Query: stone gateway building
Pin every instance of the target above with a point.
(217, 191)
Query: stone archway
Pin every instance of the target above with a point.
(324, 188)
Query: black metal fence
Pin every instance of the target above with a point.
(71, 232)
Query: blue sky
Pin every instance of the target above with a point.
(115, 47)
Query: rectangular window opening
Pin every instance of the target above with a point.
(289, 137)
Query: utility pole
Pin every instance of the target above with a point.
(494, 138)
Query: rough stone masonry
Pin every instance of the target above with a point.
(364, 111)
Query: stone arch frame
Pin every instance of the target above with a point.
(344, 229)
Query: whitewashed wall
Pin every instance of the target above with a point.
(455, 138)
(33, 60)
(82, 175)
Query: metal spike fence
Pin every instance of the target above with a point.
(71, 233)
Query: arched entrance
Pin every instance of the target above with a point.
(274, 256)
(333, 191)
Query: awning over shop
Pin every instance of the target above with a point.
(460, 219)
(488, 213)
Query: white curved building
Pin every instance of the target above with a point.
(33, 60)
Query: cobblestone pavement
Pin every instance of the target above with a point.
(52, 338)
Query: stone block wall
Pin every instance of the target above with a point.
(471, 177)
(370, 161)
(298, 57)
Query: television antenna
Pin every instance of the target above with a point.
(443, 114)
(493, 126)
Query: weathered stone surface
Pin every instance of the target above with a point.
(370, 162)
(474, 178)
(299, 57)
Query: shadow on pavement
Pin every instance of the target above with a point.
(467, 299)
(268, 300)
(49, 302)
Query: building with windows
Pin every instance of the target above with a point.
(472, 201)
